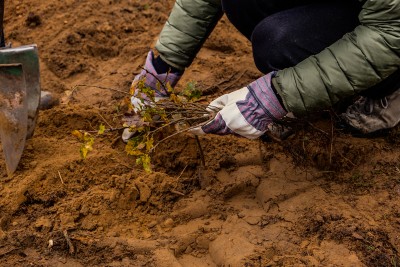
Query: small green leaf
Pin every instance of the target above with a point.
(191, 92)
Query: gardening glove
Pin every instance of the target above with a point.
(246, 112)
(152, 80)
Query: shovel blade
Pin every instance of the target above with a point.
(13, 114)
(29, 58)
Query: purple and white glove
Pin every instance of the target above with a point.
(246, 112)
(152, 78)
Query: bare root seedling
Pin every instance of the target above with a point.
(152, 120)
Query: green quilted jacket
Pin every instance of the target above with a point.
(362, 58)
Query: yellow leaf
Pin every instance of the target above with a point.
(141, 129)
(133, 87)
(147, 117)
(84, 151)
(134, 153)
(169, 88)
(131, 149)
(146, 162)
(174, 98)
(102, 129)
(87, 146)
(149, 144)
(78, 135)
(141, 146)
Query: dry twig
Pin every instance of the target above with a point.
(59, 175)
(70, 245)
(177, 192)
(203, 161)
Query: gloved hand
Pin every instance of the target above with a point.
(152, 78)
(246, 112)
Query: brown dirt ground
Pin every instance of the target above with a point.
(312, 200)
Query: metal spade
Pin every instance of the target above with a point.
(13, 114)
(19, 96)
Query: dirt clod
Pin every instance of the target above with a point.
(33, 20)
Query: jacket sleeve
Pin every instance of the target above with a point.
(359, 60)
(187, 28)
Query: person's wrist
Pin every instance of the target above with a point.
(268, 99)
(161, 66)
(276, 91)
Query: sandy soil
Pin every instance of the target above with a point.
(320, 198)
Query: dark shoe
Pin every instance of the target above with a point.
(368, 115)
(47, 100)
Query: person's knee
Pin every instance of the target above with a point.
(269, 45)
(240, 13)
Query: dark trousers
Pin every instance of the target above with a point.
(285, 32)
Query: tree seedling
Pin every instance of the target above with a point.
(152, 122)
